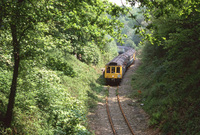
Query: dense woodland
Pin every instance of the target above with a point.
(51, 53)
(169, 77)
(50, 58)
(133, 18)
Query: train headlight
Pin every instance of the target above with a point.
(118, 76)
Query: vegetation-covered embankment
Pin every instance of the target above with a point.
(50, 52)
(53, 95)
(170, 72)
(48, 101)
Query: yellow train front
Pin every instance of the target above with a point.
(113, 73)
(116, 68)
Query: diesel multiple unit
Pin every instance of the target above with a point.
(116, 68)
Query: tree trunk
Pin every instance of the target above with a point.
(16, 50)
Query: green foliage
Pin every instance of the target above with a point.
(130, 43)
(133, 19)
(170, 90)
(110, 51)
(53, 87)
(50, 102)
(5, 56)
(5, 83)
(58, 63)
(169, 75)
(91, 54)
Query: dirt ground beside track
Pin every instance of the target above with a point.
(138, 119)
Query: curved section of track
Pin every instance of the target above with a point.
(116, 116)
(109, 117)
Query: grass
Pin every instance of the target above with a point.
(49, 99)
(172, 102)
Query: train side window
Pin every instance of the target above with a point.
(118, 69)
(113, 69)
(108, 69)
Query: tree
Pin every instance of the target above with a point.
(18, 17)
(73, 21)
(171, 60)
(130, 43)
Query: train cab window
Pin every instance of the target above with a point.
(113, 69)
(108, 69)
(118, 69)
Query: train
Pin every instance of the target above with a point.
(116, 68)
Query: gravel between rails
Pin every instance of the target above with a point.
(138, 119)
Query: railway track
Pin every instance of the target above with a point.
(116, 116)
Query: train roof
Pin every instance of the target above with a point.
(120, 59)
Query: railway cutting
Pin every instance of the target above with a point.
(116, 116)
(138, 119)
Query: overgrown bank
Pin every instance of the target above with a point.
(170, 97)
(44, 88)
(52, 99)
(169, 75)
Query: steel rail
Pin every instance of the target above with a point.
(109, 117)
(123, 111)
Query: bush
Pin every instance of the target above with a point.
(91, 54)
(48, 101)
(170, 91)
(57, 62)
(5, 83)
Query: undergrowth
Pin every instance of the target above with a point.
(170, 91)
(51, 99)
